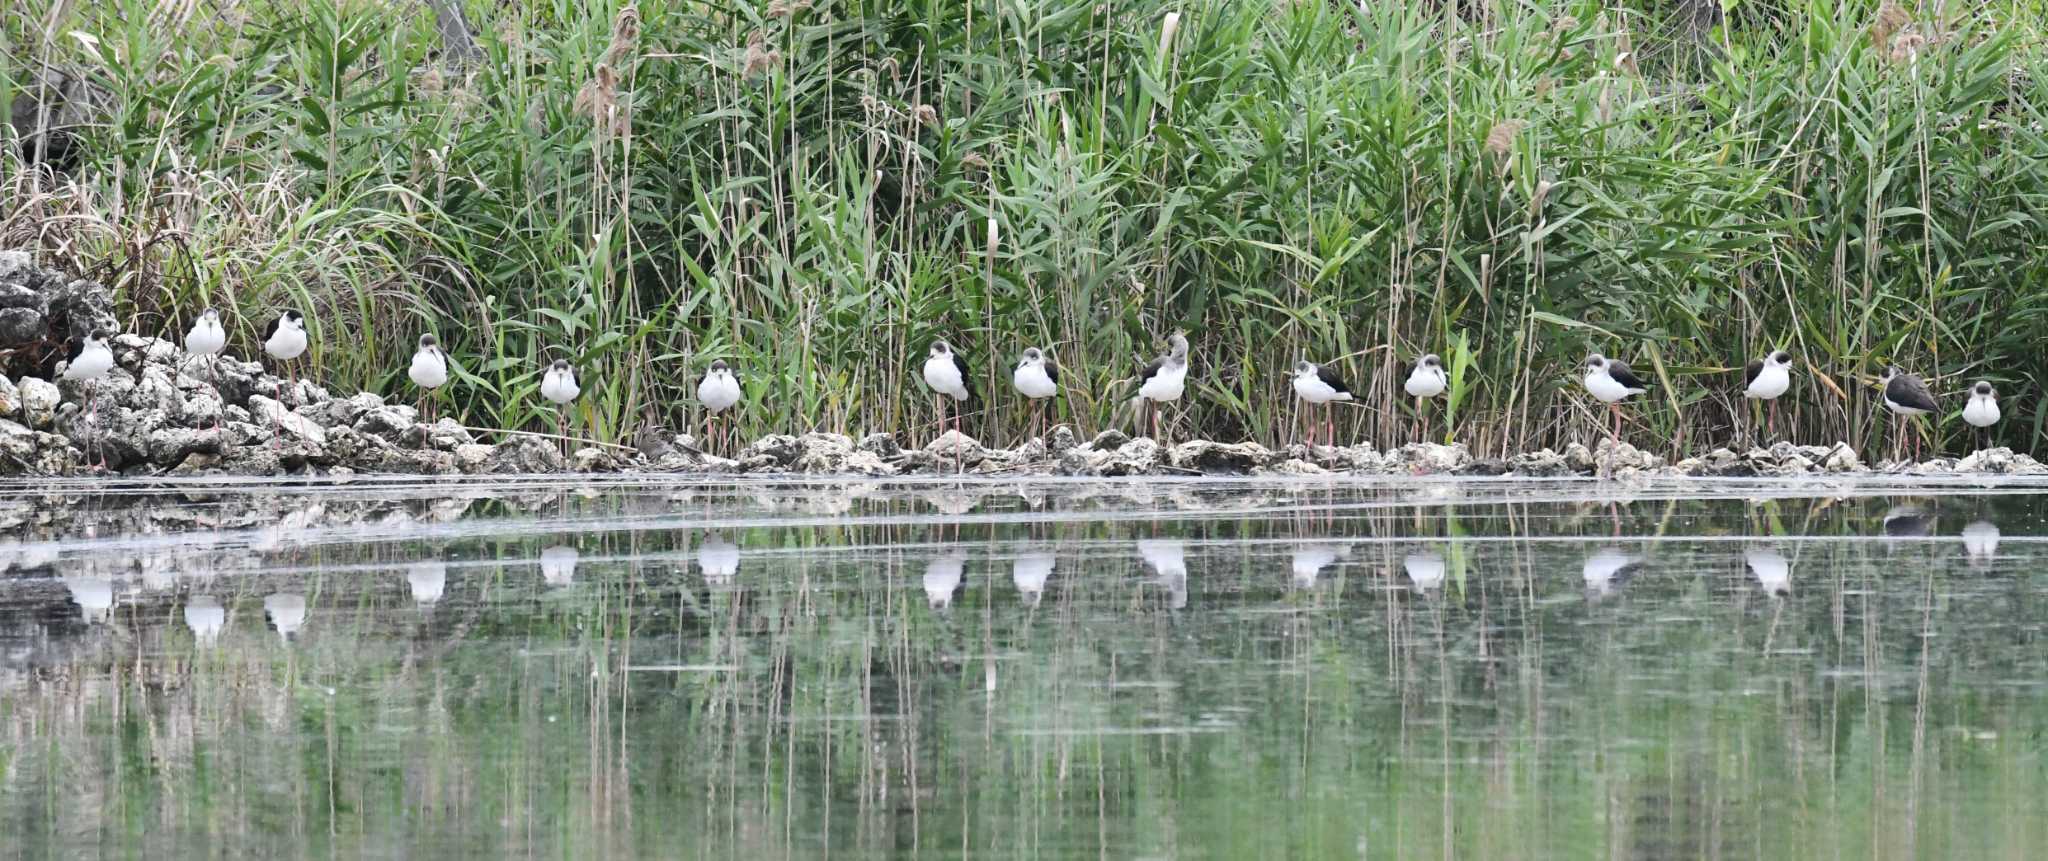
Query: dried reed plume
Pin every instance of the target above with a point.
(759, 57)
(926, 115)
(1906, 48)
(625, 46)
(1891, 18)
(1501, 139)
(787, 8)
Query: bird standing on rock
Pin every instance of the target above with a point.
(1427, 381)
(429, 371)
(719, 390)
(1767, 379)
(1982, 411)
(1611, 380)
(208, 338)
(1163, 380)
(285, 340)
(89, 360)
(1037, 378)
(946, 373)
(1905, 395)
(558, 387)
(1317, 385)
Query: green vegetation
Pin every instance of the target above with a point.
(816, 190)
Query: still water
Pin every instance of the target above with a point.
(1237, 669)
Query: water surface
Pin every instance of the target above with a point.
(1382, 669)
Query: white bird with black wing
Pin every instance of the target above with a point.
(719, 390)
(429, 371)
(558, 386)
(1163, 380)
(89, 359)
(1611, 381)
(207, 339)
(1319, 386)
(1037, 378)
(1982, 410)
(1905, 395)
(1768, 379)
(1427, 380)
(284, 340)
(947, 376)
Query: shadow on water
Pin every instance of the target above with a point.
(1218, 668)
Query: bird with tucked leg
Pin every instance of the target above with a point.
(1905, 395)
(1426, 381)
(1318, 386)
(1982, 411)
(1768, 379)
(1037, 378)
(1163, 380)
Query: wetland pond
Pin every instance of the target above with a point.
(1203, 668)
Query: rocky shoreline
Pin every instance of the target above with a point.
(162, 412)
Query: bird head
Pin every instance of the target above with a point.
(1983, 390)
(1033, 354)
(1596, 362)
(427, 341)
(210, 314)
(718, 366)
(941, 348)
(1431, 360)
(560, 365)
(1781, 359)
(1303, 368)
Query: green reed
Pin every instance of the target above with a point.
(814, 196)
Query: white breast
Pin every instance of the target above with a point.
(286, 343)
(1308, 563)
(1311, 388)
(1980, 539)
(558, 565)
(1981, 412)
(429, 370)
(93, 361)
(1773, 571)
(559, 387)
(206, 339)
(1600, 568)
(1166, 385)
(719, 392)
(1425, 382)
(1605, 388)
(1032, 382)
(1772, 381)
(944, 377)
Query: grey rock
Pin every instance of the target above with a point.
(823, 453)
(386, 422)
(1428, 458)
(39, 399)
(1214, 457)
(780, 450)
(1540, 464)
(1578, 459)
(1293, 466)
(881, 445)
(473, 458)
(20, 327)
(1109, 440)
(1062, 439)
(170, 446)
(594, 459)
(957, 447)
(525, 455)
(10, 398)
(290, 422)
(866, 463)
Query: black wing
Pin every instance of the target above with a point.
(1907, 390)
(1150, 370)
(966, 378)
(270, 328)
(1619, 370)
(1052, 370)
(1749, 373)
(77, 347)
(1330, 379)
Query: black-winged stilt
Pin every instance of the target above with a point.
(1318, 386)
(285, 340)
(558, 387)
(1905, 395)
(1037, 378)
(1610, 380)
(1982, 410)
(89, 360)
(719, 390)
(207, 339)
(1163, 380)
(946, 373)
(1767, 379)
(429, 371)
(1426, 381)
